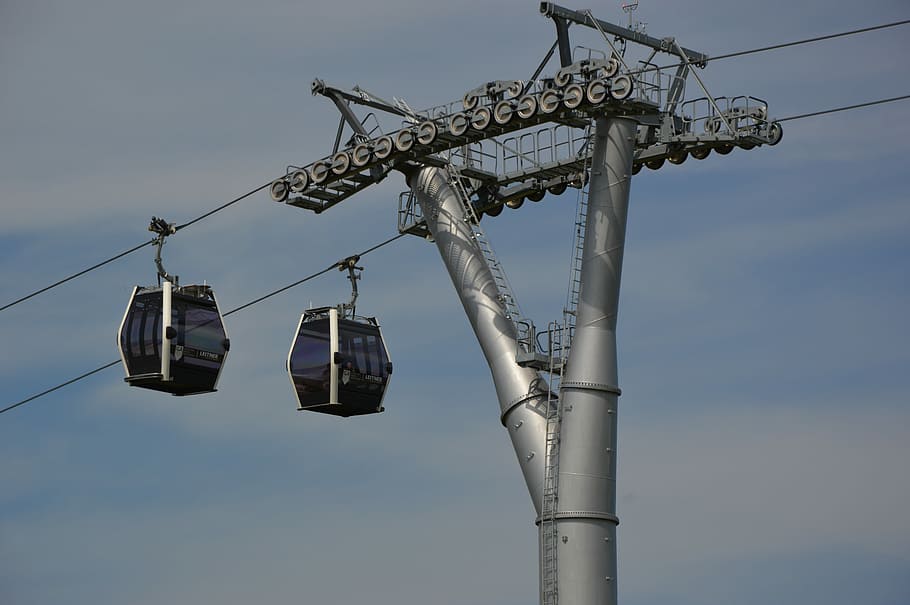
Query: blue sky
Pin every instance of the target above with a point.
(765, 416)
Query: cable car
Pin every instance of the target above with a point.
(172, 339)
(338, 365)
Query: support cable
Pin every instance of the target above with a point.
(75, 275)
(131, 250)
(809, 40)
(258, 189)
(231, 312)
(762, 49)
(845, 108)
(223, 206)
(327, 269)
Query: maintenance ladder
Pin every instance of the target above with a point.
(550, 358)
(505, 294)
(559, 336)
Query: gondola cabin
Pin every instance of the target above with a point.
(338, 365)
(172, 339)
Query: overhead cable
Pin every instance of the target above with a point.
(307, 278)
(762, 49)
(232, 311)
(260, 188)
(845, 108)
(223, 206)
(327, 269)
(809, 40)
(75, 275)
(60, 386)
(131, 250)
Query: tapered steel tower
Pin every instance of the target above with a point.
(592, 125)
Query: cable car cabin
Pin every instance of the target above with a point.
(185, 323)
(338, 366)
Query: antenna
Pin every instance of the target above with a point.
(629, 7)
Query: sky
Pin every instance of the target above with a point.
(764, 426)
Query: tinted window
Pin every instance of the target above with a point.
(364, 357)
(200, 333)
(310, 363)
(141, 334)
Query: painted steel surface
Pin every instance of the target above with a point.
(522, 392)
(586, 510)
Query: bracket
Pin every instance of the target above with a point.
(163, 229)
(349, 264)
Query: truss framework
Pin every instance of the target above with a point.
(516, 139)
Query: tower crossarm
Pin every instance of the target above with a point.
(515, 140)
(566, 15)
(431, 137)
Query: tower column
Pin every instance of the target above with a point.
(586, 509)
(521, 391)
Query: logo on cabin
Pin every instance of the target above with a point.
(345, 376)
(178, 352)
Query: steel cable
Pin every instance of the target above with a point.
(844, 108)
(75, 275)
(762, 49)
(808, 40)
(326, 270)
(260, 188)
(131, 250)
